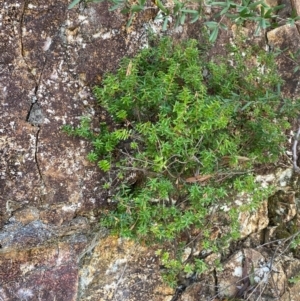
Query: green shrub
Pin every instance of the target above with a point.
(194, 129)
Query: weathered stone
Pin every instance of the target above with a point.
(46, 61)
(121, 270)
(231, 276)
(282, 207)
(50, 167)
(291, 270)
(252, 222)
(41, 273)
(36, 116)
(292, 293)
(249, 274)
(204, 290)
(26, 215)
(286, 40)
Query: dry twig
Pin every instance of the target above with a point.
(294, 151)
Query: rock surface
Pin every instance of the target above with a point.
(50, 196)
(122, 270)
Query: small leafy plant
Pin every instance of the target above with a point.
(295, 279)
(238, 12)
(190, 131)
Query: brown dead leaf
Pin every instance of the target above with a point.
(199, 178)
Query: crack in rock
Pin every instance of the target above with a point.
(215, 277)
(35, 115)
(34, 145)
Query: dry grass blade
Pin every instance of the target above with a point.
(129, 68)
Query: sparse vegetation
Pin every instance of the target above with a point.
(295, 279)
(238, 12)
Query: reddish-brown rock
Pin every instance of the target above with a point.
(50, 196)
